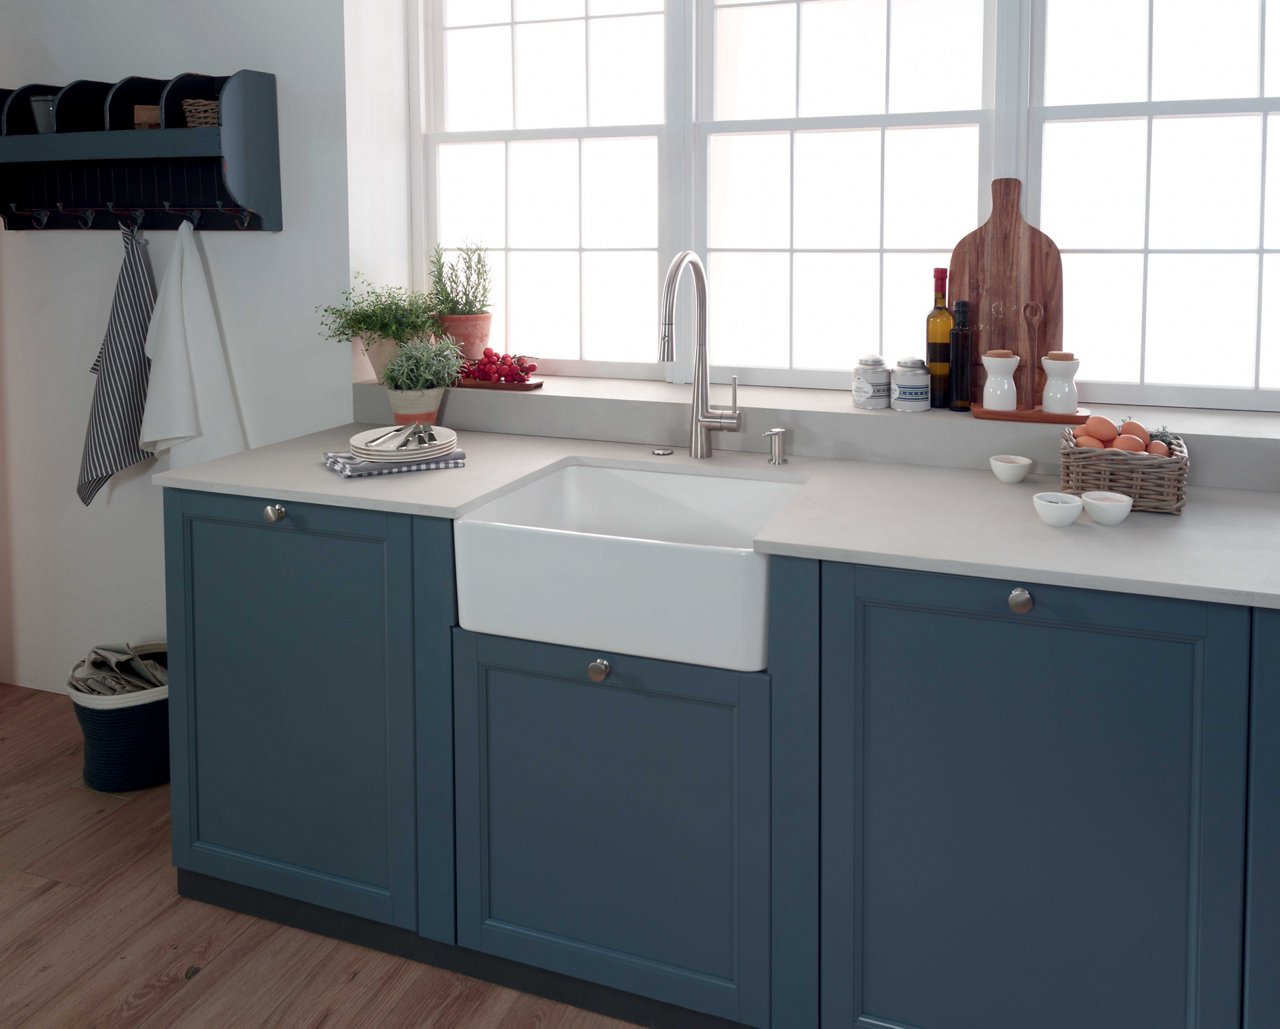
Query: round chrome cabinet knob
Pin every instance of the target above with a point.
(274, 513)
(1020, 601)
(598, 670)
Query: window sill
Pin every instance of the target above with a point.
(1229, 449)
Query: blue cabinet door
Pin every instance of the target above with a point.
(1029, 820)
(615, 831)
(291, 704)
(1262, 940)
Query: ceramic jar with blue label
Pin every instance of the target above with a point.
(909, 390)
(871, 384)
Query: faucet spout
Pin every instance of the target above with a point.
(703, 418)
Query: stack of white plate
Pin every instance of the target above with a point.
(445, 442)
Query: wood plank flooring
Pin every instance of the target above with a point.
(93, 932)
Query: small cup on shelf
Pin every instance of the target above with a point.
(42, 111)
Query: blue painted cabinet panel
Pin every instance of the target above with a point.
(794, 664)
(615, 831)
(292, 709)
(1262, 941)
(1029, 820)
(435, 612)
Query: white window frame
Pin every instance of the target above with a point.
(1010, 125)
(1144, 393)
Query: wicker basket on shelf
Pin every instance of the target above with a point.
(1156, 483)
(200, 113)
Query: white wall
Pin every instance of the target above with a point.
(377, 147)
(70, 576)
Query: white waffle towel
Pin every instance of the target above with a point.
(191, 404)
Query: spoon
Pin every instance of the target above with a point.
(1033, 313)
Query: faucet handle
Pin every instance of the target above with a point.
(733, 401)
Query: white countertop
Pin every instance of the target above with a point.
(1222, 548)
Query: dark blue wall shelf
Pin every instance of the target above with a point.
(96, 170)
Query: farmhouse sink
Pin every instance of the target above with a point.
(652, 563)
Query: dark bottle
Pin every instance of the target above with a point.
(938, 342)
(961, 358)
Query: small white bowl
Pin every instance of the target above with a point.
(1107, 508)
(1057, 508)
(1011, 467)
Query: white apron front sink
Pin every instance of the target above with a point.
(653, 563)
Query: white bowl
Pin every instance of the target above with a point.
(1057, 508)
(1011, 467)
(1107, 508)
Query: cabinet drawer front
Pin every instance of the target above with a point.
(1029, 819)
(615, 831)
(292, 710)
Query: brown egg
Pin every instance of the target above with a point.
(1078, 430)
(1100, 428)
(1130, 443)
(1158, 447)
(1132, 428)
(1089, 441)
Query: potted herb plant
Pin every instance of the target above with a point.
(459, 296)
(417, 376)
(381, 319)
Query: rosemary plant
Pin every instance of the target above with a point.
(460, 286)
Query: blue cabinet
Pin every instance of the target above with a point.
(1262, 940)
(291, 704)
(617, 831)
(1030, 819)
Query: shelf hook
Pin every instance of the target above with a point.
(192, 214)
(240, 214)
(41, 217)
(86, 215)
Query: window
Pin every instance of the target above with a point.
(824, 155)
(552, 111)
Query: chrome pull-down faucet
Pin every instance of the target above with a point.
(703, 418)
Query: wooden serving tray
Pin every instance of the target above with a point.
(514, 387)
(1011, 274)
(1038, 415)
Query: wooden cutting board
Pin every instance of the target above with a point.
(1011, 274)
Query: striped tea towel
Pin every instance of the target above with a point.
(349, 466)
(120, 394)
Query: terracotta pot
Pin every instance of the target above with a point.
(415, 405)
(470, 330)
(379, 350)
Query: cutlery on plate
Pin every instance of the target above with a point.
(409, 436)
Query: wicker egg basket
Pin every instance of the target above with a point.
(1156, 483)
(200, 113)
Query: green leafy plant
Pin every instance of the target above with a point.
(393, 311)
(460, 286)
(424, 363)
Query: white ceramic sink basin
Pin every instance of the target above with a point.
(653, 563)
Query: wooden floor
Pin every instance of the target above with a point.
(93, 932)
